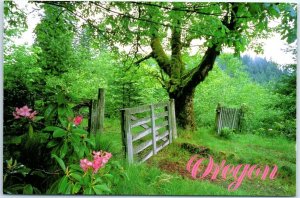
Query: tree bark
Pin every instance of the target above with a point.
(184, 109)
(181, 85)
(184, 94)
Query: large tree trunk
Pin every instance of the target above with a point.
(181, 85)
(184, 107)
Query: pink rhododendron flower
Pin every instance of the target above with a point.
(107, 157)
(86, 164)
(98, 163)
(32, 115)
(24, 112)
(16, 115)
(97, 153)
(77, 120)
(100, 159)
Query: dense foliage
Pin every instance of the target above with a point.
(168, 30)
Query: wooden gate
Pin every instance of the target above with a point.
(228, 117)
(147, 129)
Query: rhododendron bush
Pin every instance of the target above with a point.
(55, 149)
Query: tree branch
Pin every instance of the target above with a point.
(159, 77)
(198, 74)
(160, 56)
(230, 23)
(145, 58)
(176, 46)
(180, 9)
(140, 18)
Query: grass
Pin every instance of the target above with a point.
(164, 173)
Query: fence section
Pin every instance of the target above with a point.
(147, 129)
(228, 117)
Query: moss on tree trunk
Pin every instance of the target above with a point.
(184, 107)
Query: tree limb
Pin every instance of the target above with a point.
(198, 74)
(176, 46)
(145, 58)
(147, 20)
(181, 9)
(160, 56)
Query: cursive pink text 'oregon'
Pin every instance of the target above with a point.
(239, 172)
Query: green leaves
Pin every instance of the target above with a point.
(64, 150)
(59, 161)
(88, 191)
(51, 144)
(76, 188)
(54, 36)
(80, 132)
(28, 190)
(100, 189)
(50, 112)
(59, 133)
(63, 185)
(76, 176)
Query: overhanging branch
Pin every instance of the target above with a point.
(198, 74)
(145, 58)
(160, 56)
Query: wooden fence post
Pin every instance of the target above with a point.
(94, 115)
(173, 118)
(242, 113)
(90, 116)
(170, 127)
(97, 112)
(123, 131)
(233, 120)
(219, 118)
(126, 134)
(153, 129)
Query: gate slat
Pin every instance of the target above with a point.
(161, 125)
(159, 137)
(142, 147)
(150, 154)
(162, 146)
(140, 122)
(141, 135)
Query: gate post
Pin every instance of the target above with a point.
(153, 127)
(97, 112)
(126, 134)
(173, 118)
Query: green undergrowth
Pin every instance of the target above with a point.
(165, 174)
(145, 180)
